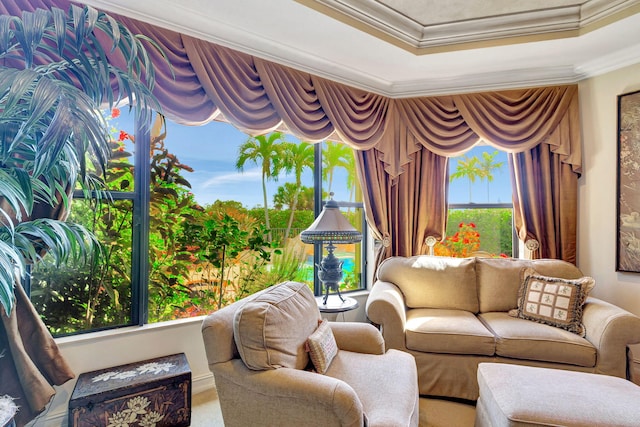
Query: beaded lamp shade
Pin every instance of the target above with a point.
(331, 227)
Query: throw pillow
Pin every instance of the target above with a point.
(322, 347)
(553, 301)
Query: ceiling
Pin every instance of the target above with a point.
(403, 48)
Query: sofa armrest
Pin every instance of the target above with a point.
(610, 329)
(358, 337)
(302, 397)
(385, 307)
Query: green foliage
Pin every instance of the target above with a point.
(200, 259)
(80, 296)
(494, 225)
(285, 265)
(336, 155)
(222, 239)
(287, 193)
(279, 220)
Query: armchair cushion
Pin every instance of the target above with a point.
(271, 330)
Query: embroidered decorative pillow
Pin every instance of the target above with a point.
(322, 347)
(553, 301)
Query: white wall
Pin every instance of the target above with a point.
(597, 197)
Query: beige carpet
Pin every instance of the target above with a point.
(433, 412)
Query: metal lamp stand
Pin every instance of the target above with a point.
(330, 273)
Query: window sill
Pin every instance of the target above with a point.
(130, 330)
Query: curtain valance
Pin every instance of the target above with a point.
(258, 96)
(205, 80)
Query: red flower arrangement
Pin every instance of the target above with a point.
(460, 245)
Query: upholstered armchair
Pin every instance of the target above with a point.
(257, 349)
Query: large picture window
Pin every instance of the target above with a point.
(209, 216)
(480, 216)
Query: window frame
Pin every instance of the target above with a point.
(140, 199)
(318, 247)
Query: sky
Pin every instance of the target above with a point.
(498, 191)
(212, 150)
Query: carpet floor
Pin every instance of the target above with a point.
(433, 412)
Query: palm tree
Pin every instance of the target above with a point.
(350, 166)
(467, 167)
(487, 166)
(334, 156)
(297, 157)
(264, 151)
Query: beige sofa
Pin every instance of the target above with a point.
(256, 351)
(451, 315)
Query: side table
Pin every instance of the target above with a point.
(335, 306)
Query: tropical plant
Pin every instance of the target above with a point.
(264, 151)
(493, 224)
(355, 191)
(297, 158)
(286, 194)
(487, 165)
(335, 155)
(222, 239)
(55, 74)
(467, 167)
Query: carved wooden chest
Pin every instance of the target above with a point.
(154, 392)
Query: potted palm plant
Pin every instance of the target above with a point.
(56, 74)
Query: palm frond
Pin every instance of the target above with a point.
(63, 241)
(12, 266)
(15, 184)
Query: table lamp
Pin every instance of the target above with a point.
(330, 227)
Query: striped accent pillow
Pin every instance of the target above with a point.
(322, 347)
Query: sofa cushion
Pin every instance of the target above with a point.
(322, 347)
(523, 339)
(271, 330)
(499, 279)
(433, 282)
(447, 331)
(553, 301)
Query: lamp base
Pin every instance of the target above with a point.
(330, 273)
(326, 296)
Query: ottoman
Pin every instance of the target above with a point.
(514, 395)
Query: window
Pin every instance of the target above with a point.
(480, 217)
(185, 230)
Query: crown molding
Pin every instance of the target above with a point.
(248, 39)
(385, 23)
